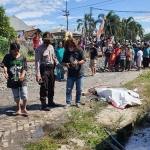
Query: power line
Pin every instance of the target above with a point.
(92, 4)
(122, 11)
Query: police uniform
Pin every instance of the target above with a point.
(45, 62)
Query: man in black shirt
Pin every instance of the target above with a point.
(15, 68)
(93, 57)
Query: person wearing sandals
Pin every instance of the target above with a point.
(15, 68)
(74, 60)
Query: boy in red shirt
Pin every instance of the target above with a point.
(112, 60)
(117, 60)
(36, 41)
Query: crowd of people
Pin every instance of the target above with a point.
(72, 55)
(119, 57)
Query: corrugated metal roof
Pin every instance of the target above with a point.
(31, 32)
(18, 24)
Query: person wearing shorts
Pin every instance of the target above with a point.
(15, 68)
(93, 57)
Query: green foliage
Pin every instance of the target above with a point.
(125, 29)
(5, 29)
(4, 46)
(48, 144)
(147, 37)
(28, 54)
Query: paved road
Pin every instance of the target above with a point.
(14, 130)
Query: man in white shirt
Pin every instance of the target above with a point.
(139, 58)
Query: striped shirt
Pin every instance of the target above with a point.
(123, 55)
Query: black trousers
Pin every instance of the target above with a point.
(128, 64)
(145, 62)
(47, 87)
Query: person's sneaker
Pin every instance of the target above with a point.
(67, 106)
(78, 105)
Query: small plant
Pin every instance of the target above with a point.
(4, 45)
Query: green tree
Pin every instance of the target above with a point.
(88, 22)
(5, 29)
(4, 45)
(147, 37)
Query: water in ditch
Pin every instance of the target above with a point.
(140, 139)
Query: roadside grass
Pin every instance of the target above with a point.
(22, 52)
(82, 124)
(142, 85)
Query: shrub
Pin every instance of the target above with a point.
(30, 52)
(4, 45)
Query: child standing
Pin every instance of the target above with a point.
(139, 58)
(112, 60)
(15, 67)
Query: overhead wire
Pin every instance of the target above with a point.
(122, 11)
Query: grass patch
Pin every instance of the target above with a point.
(29, 57)
(81, 123)
(48, 143)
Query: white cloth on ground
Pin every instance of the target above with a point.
(119, 97)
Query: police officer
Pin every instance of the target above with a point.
(45, 62)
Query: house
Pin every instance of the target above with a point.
(62, 33)
(19, 26)
(30, 34)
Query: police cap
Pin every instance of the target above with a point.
(46, 36)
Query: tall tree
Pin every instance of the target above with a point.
(5, 29)
(88, 22)
(111, 23)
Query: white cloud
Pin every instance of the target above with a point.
(35, 14)
(142, 18)
(71, 17)
(147, 30)
(39, 22)
(4, 2)
(29, 8)
(80, 0)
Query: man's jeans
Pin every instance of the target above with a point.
(69, 87)
(107, 61)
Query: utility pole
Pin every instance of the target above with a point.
(66, 14)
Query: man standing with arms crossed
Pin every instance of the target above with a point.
(45, 62)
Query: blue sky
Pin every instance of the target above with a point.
(47, 14)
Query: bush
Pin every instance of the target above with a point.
(30, 52)
(4, 45)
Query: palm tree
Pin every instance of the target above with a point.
(127, 22)
(88, 22)
(111, 23)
